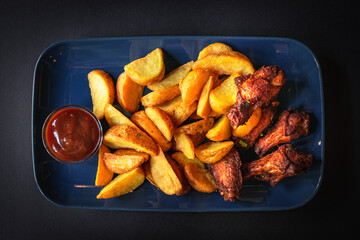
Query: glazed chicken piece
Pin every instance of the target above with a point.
(227, 175)
(284, 162)
(291, 125)
(267, 115)
(255, 91)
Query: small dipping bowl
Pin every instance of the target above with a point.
(72, 134)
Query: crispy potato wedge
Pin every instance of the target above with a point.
(124, 160)
(147, 70)
(170, 106)
(163, 174)
(123, 184)
(103, 174)
(173, 78)
(102, 91)
(204, 108)
(246, 128)
(215, 48)
(162, 121)
(212, 114)
(145, 124)
(200, 178)
(184, 144)
(148, 175)
(212, 152)
(124, 136)
(182, 160)
(181, 113)
(115, 117)
(160, 96)
(128, 93)
(224, 96)
(192, 85)
(225, 64)
(185, 186)
(198, 127)
(197, 138)
(221, 130)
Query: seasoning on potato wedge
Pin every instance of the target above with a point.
(124, 160)
(145, 124)
(147, 70)
(128, 93)
(215, 48)
(184, 144)
(201, 126)
(103, 174)
(124, 136)
(162, 121)
(221, 130)
(160, 96)
(102, 91)
(200, 178)
(123, 184)
(212, 152)
(182, 160)
(114, 117)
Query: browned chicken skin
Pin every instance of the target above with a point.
(291, 125)
(255, 91)
(284, 162)
(227, 175)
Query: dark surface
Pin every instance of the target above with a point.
(328, 28)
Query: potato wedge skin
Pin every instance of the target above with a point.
(102, 91)
(198, 127)
(221, 130)
(148, 175)
(103, 174)
(185, 186)
(204, 108)
(145, 124)
(199, 178)
(246, 128)
(124, 136)
(214, 48)
(182, 160)
(128, 93)
(180, 112)
(160, 96)
(114, 117)
(212, 152)
(123, 184)
(184, 144)
(173, 78)
(147, 70)
(124, 160)
(163, 174)
(162, 121)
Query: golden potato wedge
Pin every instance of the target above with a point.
(192, 85)
(225, 64)
(246, 128)
(181, 112)
(173, 78)
(102, 91)
(200, 178)
(114, 117)
(147, 70)
(212, 114)
(124, 160)
(160, 96)
(124, 136)
(221, 130)
(201, 126)
(163, 174)
(162, 121)
(204, 108)
(224, 96)
(182, 160)
(103, 174)
(184, 144)
(185, 186)
(214, 48)
(212, 152)
(123, 184)
(128, 93)
(197, 138)
(145, 124)
(148, 175)
(170, 106)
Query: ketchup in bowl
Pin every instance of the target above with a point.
(72, 134)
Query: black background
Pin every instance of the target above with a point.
(328, 28)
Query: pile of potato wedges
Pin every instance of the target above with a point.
(183, 125)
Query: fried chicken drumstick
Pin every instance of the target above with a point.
(284, 162)
(255, 91)
(227, 175)
(291, 125)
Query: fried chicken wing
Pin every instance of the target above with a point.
(255, 91)
(267, 115)
(227, 175)
(284, 162)
(291, 125)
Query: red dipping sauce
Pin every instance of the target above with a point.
(72, 134)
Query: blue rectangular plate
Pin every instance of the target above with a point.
(60, 78)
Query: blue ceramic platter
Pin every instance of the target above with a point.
(60, 78)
